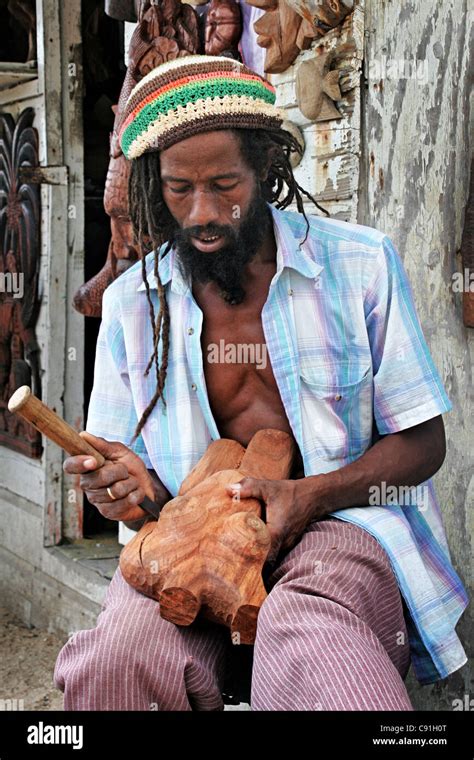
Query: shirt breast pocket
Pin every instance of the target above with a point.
(336, 410)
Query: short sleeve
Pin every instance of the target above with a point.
(112, 414)
(407, 386)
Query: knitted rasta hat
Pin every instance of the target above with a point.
(193, 94)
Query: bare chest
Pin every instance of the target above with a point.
(242, 390)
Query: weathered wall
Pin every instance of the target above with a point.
(399, 161)
(414, 183)
(37, 504)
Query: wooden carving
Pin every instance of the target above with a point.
(289, 26)
(19, 277)
(24, 12)
(317, 87)
(164, 32)
(223, 27)
(322, 80)
(323, 15)
(282, 32)
(122, 252)
(206, 552)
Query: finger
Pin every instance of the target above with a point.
(79, 464)
(108, 449)
(121, 510)
(119, 489)
(248, 488)
(104, 476)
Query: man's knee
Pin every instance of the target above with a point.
(116, 666)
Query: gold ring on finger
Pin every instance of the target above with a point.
(111, 494)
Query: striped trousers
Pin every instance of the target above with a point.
(330, 636)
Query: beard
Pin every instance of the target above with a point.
(226, 266)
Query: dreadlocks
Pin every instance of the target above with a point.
(154, 225)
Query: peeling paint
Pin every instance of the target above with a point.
(419, 133)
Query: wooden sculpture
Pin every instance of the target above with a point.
(19, 271)
(206, 552)
(164, 32)
(223, 28)
(323, 15)
(282, 32)
(317, 87)
(324, 79)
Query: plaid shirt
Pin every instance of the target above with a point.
(349, 359)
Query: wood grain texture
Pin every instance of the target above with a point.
(206, 552)
(34, 411)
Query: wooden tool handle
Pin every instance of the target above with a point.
(24, 403)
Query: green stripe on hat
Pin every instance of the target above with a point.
(208, 88)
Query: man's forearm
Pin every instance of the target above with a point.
(404, 459)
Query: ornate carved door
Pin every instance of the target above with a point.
(41, 251)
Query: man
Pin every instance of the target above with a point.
(358, 580)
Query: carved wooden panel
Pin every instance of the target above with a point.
(19, 275)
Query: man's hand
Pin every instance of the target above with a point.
(123, 472)
(405, 459)
(287, 514)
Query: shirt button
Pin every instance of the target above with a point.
(190, 330)
(337, 397)
(290, 291)
(194, 387)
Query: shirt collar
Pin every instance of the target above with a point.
(291, 252)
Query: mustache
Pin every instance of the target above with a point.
(209, 231)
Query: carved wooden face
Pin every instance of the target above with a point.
(223, 27)
(161, 51)
(323, 15)
(277, 30)
(123, 241)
